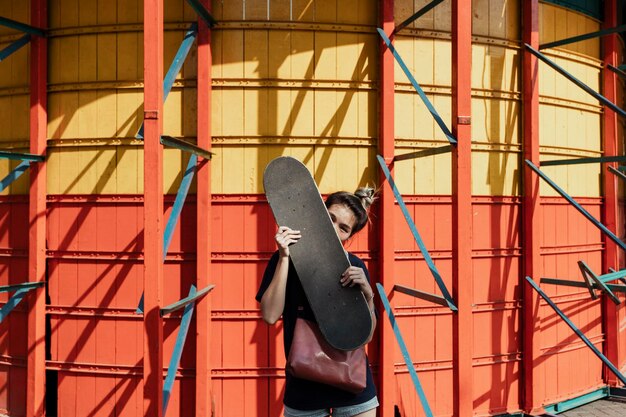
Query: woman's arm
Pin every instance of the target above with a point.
(273, 300)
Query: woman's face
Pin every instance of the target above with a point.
(343, 219)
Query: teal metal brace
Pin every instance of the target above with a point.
(580, 334)
(575, 161)
(22, 27)
(19, 156)
(576, 81)
(616, 70)
(405, 352)
(577, 206)
(191, 298)
(617, 172)
(203, 13)
(571, 403)
(590, 276)
(419, 90)
(13, 47)
(423, 153)
(177, 209)
(173, 142)
(578, 284)
(421, 12)
(20, 292)
(176, 65)
(422, 295)
(578, 38)
(14, 174)
(178, 350)
(418, 239)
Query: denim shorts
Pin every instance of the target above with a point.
(347, 411)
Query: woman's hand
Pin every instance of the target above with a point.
(356, 276)
(285, 237)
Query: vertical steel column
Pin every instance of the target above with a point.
(204, 392)
(386, 371)
(462, 205)
(610, 321)
(36, 358)
(531, 385)
(153, 208)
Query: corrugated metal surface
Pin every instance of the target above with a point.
(294, 78)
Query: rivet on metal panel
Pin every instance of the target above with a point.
(464, 120)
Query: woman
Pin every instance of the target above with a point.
(281, 294)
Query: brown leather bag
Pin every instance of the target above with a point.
(312, 358)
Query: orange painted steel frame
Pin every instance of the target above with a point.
(153, 209)
(386, 374)
(204, 391)
(36, 360)
(610, 322)
(532, 385)
(462, 285)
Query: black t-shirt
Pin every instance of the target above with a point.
(302, 394)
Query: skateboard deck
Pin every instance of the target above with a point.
(342, 313)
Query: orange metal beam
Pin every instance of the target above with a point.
(36, 360)
(204, 391)
(610, 320)
(462, 206)
(531, 386)
(153, 208)
(386, 360)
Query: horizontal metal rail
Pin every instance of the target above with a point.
(419, 89)
(22, 27)
(576, 81)
(25, 285)
(192, 298)
(577, 331)
(426, 296)
(578, 284)
(19, 156)
(578, 38)
(574, 161)
(423, 153)
(173, 142)
(405, 351)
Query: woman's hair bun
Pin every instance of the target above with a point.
(367, 195)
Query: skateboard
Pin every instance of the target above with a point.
(342, 313)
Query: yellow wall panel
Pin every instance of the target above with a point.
(480, 17)
(256, 9)
(368, 108)
(349, 63)
(129, 112)
(325, 56)
(88, 116)
(256, 112)
(190, 113)
(495, 173)
(129, 11)
(281, 43)
(232, 54)
(106, 125)
(280, 10)
(404, 111)
(325, 113)
(232, 123)
(326, 11)
(172, 113)
(256, 54)
(303, 112)
(442, 62)
(303, 10)
(174, 164)
(88, 52)
(348, 11)
(129, 175)
(301, 56)
(106, 171)
(347, 113)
